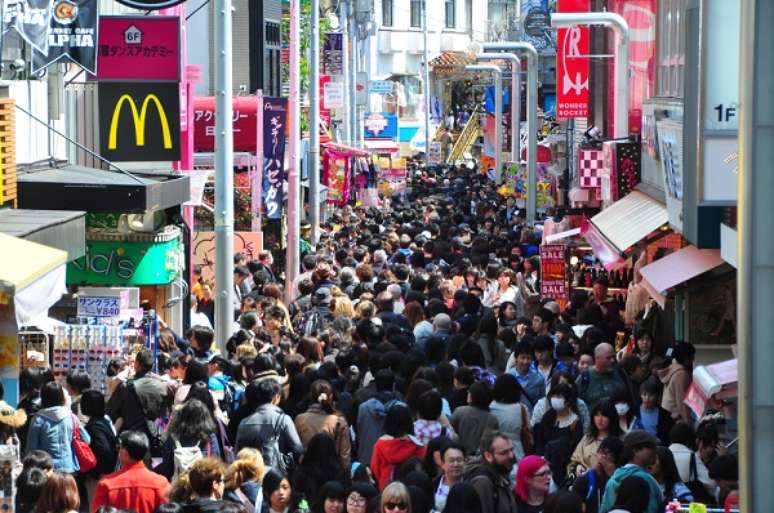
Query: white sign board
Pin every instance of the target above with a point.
(721, 89)
(99, 306)
(361, 88)
(333, 95)
(720, 163)
(381, 87)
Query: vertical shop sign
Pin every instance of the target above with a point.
(572, 64)
(72, 35)
(553, 272)
(274, 116)
(31, 19)
(333, 54)
(139, 48)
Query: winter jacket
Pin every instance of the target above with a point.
(370, 422)
(103, 445)
(470, 423)
(389, 453)
(676, 380)
(316, 420)
(252, 490)
(630, 469)
(492, 488)
(259, 427)
(51, 430)
(203, 506)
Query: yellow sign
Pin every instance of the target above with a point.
(139, 121)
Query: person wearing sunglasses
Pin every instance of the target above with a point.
(395, 499)
(532, 484)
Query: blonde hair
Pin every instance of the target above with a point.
(395, 491)
(249, 466)
(365, 310)
(246, 349)
(343, 307)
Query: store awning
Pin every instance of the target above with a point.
(382, 146)
(97, 190)
(33, 273)
(629, 220)
(718, 381)
(343, 148)
(676, 268)
(59, 229)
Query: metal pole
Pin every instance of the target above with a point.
(294, 148)
(345, 70)
(515, 95)
(621, 29)
(224, 179)
(314, 126)
(498, 78)
(532, 62)
(426, 80)
(353, 80)
(754, 239)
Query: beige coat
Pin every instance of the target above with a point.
(676, 380)
(585, 454)
(316, 420)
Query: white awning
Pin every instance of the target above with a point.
(630, 219)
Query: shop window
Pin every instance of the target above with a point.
(671, 48)
(387, 13)
(416, 14)
(450, 14)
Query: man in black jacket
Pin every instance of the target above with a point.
(490, 475)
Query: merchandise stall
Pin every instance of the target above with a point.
(345, 169)
(714, 392)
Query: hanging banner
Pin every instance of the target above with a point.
(572, 65)
(31, 19)
(72, 35)
(333, 55)
(274, 118)
(553, 272)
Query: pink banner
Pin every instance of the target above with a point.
(572, 65)
(139, 48)
(603, 250)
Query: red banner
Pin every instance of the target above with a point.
(553, 272)
(245, 119)
(572, 65)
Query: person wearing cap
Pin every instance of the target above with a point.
(639, 453)
(320, 316)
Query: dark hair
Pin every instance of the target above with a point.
(683, 354)
(465, 375)
(564, 350)
(384, 380)
(78, 380)
(93, 404)
(144, 360)
(480, 395)
(524, 347)
(543, 343)
(669, 473)
(488, 438)
(606, 409)
(462, 498)
(563, 502)
(38, 459)
(707, 433)
(51, 395)
(507, 389)
(193, 421)
(650, 387)
(316, 391)
(195, 371)
(321, 459)
(28, 487)
(31, 380)
(430, 405)
(683, 433)
(329, 490)
(545, 315)
(564, 390)
(268, 389)
(201, 392)
(633, 495)
(59, 494)
(203, 336)
(397, 422)
(136, 444)
(614, 446)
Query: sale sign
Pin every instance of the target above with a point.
(553, 272)
(572, 64)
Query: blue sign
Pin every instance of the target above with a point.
(380, 125)
(274, 116)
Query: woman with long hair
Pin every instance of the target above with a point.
(510, 412)
(319, 465)
(395, 499)
(559, 432)
(59, 495)
(243, 479)
(495, 354)
(322, 417)
(604, 423)
(196, 370)
(191, 426)
(278, 496)
(668, 478)
(396, 446)
(533, 481)
(507, 315)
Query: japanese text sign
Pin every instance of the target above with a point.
(274, 118)
(139, 48)
(553, 272)
(244, 123)
(99, 306)
(572, 64)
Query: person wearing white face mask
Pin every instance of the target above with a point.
(626, 413)
(559, 431)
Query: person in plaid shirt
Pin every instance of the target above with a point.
(431, 423)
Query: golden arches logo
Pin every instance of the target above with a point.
(139, 121)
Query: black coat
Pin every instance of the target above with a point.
(103, 445)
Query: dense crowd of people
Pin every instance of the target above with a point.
(415, 368)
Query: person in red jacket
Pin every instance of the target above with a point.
(396, 446)
(134, 487)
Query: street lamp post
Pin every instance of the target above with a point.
(515, 96)
(532, 61)
(621, 29)
(498, 78)
(426, 79)
(294, 148)
(314, 125)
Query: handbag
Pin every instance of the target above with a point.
(82, 451)
(527, 439)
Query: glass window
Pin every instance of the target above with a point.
(450, 19)
(416, 14)
(469, 16)
(671, 48)
(387, 13)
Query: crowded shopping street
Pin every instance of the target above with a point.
(389, 256)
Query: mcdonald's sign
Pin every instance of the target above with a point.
(139, 121)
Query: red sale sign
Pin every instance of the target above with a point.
(572, 64)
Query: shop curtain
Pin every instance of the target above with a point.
(336, 165)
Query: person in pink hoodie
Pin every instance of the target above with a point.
(396, 446)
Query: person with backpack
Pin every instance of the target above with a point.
(320, 316)
(372, 412)
(559, 432)
(134, 487)
(489, 473)
(270, 430)
(590, 486)
(600, 382)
